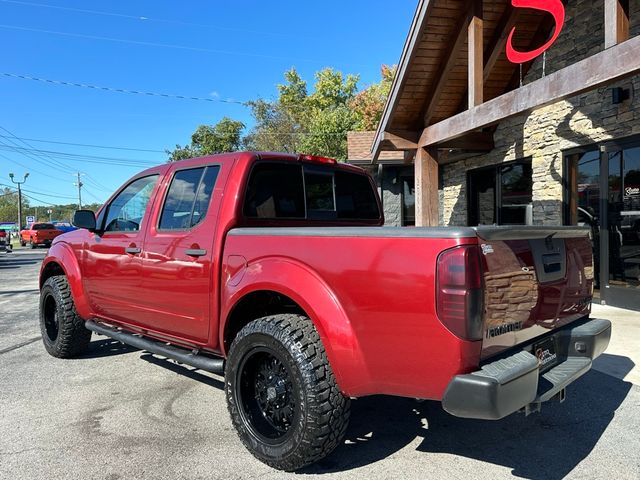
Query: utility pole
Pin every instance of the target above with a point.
(49, 212)
(19, 197)
(79, 185)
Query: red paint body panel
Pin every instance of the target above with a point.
(370, 294)
(377, 320)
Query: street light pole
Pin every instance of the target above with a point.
(19, 197)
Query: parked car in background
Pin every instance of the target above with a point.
(5, 245)
(63, 226)
(39, 234)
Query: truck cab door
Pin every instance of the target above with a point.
(180, 280)
(112, 265)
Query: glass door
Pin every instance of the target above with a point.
(603, 193)
(621, 173)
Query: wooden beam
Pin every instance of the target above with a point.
(616, 22)
(600, 69)
(409, 51)
(426, 193)
(475, 51)
(409, 156)
(401, 140)
(475, 141)
(499, 41)
(456, 43)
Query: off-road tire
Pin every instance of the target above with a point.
(63, 332)
(322, 411)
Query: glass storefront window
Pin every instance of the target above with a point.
(501, 194)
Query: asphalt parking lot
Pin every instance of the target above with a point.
(122, 413)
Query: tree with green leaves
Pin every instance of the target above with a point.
(369, 103)
(224, 136)
(300, 121)
(9, 205)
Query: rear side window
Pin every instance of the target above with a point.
(291, 191)
(275, 190)
(355, 198)
(188, 198)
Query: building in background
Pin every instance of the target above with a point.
(515, 116)
(395, 180)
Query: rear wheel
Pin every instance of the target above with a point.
(63, 332)
(281, 393)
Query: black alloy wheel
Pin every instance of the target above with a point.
(50, 317)
(282, 395)
(266, 395)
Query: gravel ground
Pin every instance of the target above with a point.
(122, 413)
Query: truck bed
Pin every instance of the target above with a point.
(385, 280)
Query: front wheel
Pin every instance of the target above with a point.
(63, 332)
(31, 244)
(282, 394)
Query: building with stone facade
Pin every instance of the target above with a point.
(515, 116)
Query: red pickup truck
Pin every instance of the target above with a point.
(39, 234)
(275, 270)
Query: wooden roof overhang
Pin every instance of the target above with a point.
(454, 81)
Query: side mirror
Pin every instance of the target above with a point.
(85, 219)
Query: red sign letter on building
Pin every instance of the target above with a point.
(555, 8)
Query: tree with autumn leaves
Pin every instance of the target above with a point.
(298, 120)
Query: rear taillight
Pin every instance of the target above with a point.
(459, 291)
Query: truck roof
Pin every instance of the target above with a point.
(251, 156)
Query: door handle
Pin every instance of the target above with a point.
(195, 252)
(133, 250)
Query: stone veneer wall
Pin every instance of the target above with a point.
(391, 198)
(543, 134)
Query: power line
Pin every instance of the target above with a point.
(33, 169)
(246, 104)
(80, 157)
(57, 163)
(109, 147)
(157, 45)
(119, 90)
(44, 194)
(266, 32)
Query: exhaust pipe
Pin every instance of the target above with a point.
(202, 362)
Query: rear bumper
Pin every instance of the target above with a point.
(507, 385)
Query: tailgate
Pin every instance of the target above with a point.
(536, 279)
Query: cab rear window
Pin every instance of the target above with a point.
(311, 192)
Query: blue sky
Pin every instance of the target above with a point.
(215, 49)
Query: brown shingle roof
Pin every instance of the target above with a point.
(359, 147)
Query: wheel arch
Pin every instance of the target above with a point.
(293, 288)
(61, 260)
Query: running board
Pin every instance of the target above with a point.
(208, 364)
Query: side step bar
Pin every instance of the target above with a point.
(208, 364)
